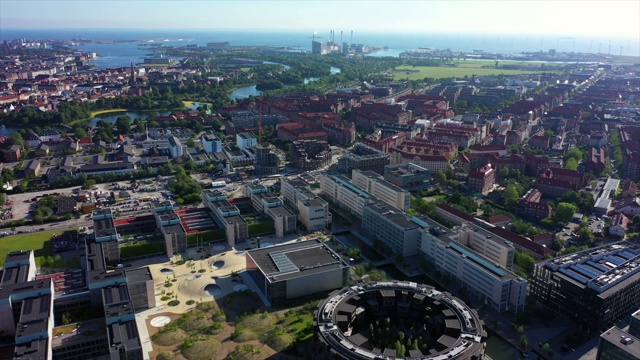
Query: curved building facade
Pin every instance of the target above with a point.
(362, 322)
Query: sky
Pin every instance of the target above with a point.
(574, 17)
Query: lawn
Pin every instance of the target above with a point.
(141, 248)
(99, 112)
(206, 236)
(39, 242)
(439, 72)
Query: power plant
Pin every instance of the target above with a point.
(347, 48)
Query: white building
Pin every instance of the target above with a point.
(175, 147)
(375, 185)
(344, 194)
(245, 140)
(495, 286)
(313, 211)
(211, 143)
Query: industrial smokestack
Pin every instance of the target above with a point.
(351, 37)
(340, 37)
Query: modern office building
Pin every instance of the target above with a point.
(170, 226)
(496, 286)
(175, 147)
(211, 143)
(297, 269)
(616, 344)
(312, 211)
(394, 228)
(339, 190)
(374, 184)
(226, 216)
(267, 203)
(245, 140)
(408, 176)
(363, 157)
(343, 320)
(594, 287)
(634, 324)
(105, 234)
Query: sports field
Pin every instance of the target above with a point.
(39, 242)
(465, 68)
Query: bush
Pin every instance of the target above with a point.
(190, 302)
(165, 298)
(173, 303)
(166, 355)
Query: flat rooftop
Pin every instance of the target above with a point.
(623, 340)
(123, 335)
(293, 260)
(139, 275)
(394, 215)
(34, 350)
(15, 275)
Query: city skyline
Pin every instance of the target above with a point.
(591, 18)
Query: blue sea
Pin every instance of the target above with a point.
(121, 54)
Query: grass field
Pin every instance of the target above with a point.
(189, 103)
(39, 242)
(141, 248)
(439, 72)
(99, 112)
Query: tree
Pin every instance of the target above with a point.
(440, 177)
(79, 133)
(564, 212)
(586, 236)
(511, 197)
(66, 318)
(523, 341)
(123, 124)
(557, 244)
(571, 164)
(525, 261)
(191, 143)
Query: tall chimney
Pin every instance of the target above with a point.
(351, 37)
(340, 37)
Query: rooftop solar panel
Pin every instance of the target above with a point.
(573, 275)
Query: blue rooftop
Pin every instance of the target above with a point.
(477, 259)
(350, 186)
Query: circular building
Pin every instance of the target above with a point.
(396, 320)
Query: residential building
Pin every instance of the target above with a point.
(13, 153)
(530, 206)
(289, 271)
(32, 169)
(482, 180)
(619, 225)
(310, 154)
(597, 160)
(375, 185)
(593, 288)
